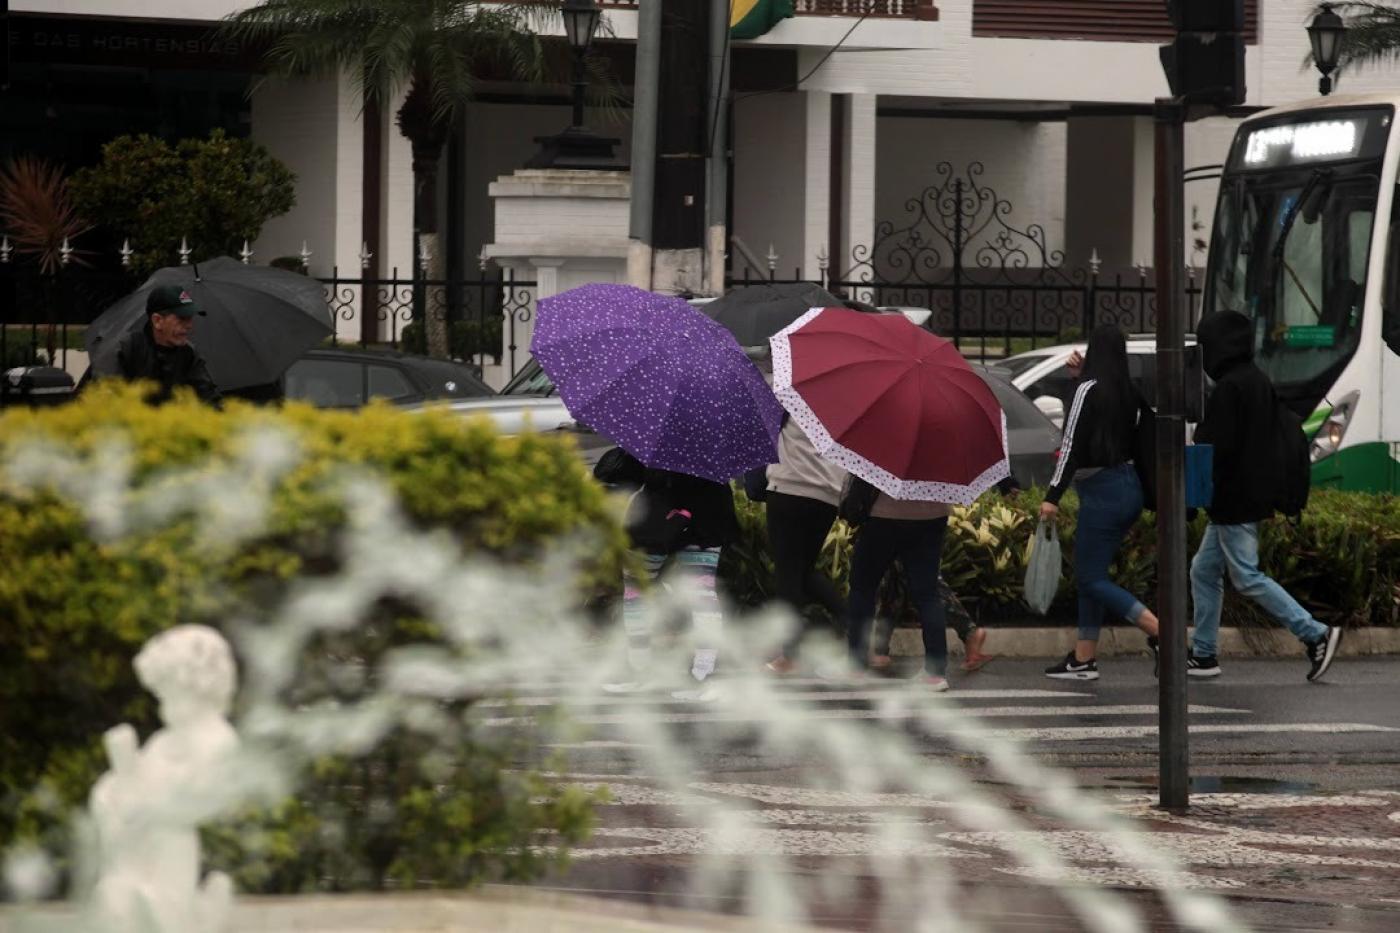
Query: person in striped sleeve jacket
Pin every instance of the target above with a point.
(1096, 455)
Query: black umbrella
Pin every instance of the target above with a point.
(256, 321)
(756, 312)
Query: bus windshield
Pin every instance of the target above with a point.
(1291, 249)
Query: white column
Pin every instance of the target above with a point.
(396, 194)
(816, 219)
(344, 254)
(861, 156)
(314, 127)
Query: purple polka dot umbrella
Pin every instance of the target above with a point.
(665, 382)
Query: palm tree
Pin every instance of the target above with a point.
(434, 48)
(1373, 32)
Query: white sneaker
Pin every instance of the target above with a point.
(935, 683)
(705, 693)
(630, 686)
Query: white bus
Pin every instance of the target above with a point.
(1307, 244)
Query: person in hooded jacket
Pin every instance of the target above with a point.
(1240, 421)
(1097, 453)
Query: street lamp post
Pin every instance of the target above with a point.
(576, 147)
(580, 25)
(1325, 33)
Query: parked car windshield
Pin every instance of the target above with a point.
(532, 380)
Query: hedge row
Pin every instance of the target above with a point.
(1342, 561)
(78, 598)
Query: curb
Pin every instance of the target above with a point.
(1130, 642)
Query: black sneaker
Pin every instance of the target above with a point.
(1322, 651)
(1153, 645)
(1202, 666)
(1072, 669)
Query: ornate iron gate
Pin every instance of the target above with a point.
(995, 288)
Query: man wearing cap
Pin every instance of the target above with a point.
(161, 351)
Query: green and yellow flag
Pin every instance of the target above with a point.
(749, 19)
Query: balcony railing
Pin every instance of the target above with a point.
(884, 9)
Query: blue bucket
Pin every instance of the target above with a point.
(1200, 484)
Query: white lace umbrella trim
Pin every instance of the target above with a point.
(876, 475)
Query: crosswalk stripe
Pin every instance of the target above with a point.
(659, 699)
(892, 712)
(1078, 733)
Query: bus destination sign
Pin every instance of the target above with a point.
(1314, 139)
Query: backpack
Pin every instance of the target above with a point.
(1292, 454)
(1145, 454)
(654, 523)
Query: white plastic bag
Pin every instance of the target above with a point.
(1042, 568)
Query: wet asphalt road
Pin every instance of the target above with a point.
(1271, 754)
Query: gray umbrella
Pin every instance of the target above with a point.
(756, 312)
(256, 320)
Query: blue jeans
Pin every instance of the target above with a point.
(918, 545)
(1235, 549)
(1110, 502)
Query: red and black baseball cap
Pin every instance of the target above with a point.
(171, 299)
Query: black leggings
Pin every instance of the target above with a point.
(797, 529)
(918, 544)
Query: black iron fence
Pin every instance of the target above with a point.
(993, 288)
(43, 317)
(482, 317)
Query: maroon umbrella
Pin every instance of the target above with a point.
(892, 403)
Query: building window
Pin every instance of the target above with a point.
(1086, 20)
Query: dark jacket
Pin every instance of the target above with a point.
(1239, 421)
(712, 522)
(1097, 434)
(139, 357)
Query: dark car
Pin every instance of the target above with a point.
(1032, 438)
(350, 378)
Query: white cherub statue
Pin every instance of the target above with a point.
(148, 808)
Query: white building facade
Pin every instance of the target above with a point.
(841, 121)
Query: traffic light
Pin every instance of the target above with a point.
(1205, 63)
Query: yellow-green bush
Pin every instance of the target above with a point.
(1342, 561)
(77, 598)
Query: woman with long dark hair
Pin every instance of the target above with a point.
(1097, 454)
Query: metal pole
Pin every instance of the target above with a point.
(957, 261)
(717, 189)
(1170, 248)
(645, 100)
(580, 85)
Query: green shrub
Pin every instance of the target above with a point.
(466, 340)
(77, 605)
(214, 193)
(1342, 561)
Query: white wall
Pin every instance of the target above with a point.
(297, 124)
(960, 66)
(1025, 165)
(314, 127)
(769, 179)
